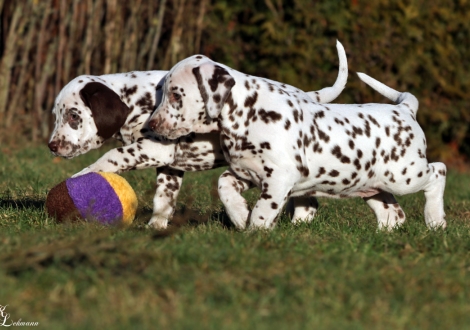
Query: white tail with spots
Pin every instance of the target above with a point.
(405, 98)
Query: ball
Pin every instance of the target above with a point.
(103, 197)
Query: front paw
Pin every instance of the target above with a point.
(158, 222)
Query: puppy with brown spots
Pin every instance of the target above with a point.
(92, 109)
(274, 136)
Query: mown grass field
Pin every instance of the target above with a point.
(337, 272)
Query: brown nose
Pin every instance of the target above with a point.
(53, 146)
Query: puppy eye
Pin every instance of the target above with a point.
(176, 96)
(73, 116)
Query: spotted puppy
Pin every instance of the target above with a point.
(274, 136)
(92, 109)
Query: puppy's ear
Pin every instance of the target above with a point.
(215, 84)
(109, 112)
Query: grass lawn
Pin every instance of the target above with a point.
(337, 272)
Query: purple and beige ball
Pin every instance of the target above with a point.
(103, 197)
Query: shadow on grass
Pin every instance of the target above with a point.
(187, 216)
(190, 215)
(22, 203)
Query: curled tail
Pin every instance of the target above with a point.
(405, 98)
(328, 94)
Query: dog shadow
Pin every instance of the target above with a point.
(22, 203)
(189, 217)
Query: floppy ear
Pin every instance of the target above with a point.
(215, 84)
(109, 112)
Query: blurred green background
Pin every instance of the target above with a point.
(420, 46)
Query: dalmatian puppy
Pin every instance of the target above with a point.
(92, 109)
(275, 137)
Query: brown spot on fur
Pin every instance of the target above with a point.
(269, 116)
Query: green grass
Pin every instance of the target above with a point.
(337, 272)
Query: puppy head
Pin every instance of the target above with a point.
(195, 91)
(87, 112)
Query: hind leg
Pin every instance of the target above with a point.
(302, 209)
(388, 212)
(434, 193)
(230, 188)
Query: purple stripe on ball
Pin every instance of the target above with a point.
(94, 198)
